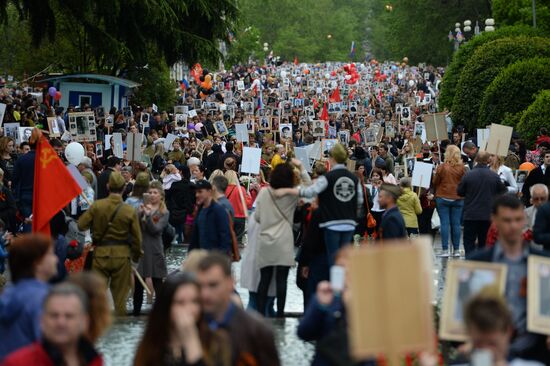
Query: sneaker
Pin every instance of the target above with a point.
(444, 254)
(456, 253)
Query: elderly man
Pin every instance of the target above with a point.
(539, 196)
(64, 322)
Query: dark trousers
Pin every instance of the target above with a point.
(239, 227)
(138, 293)
(475, 229)
(281, 277)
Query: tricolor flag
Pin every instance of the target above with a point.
(352, 50)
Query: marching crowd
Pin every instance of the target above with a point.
(362, 128)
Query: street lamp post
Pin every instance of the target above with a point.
(534, 13)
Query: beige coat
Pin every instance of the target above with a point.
(276, 240)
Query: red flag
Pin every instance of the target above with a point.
(324, 113)
(296, 60)
(54, 186)
(335, 96)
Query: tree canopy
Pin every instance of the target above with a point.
(111, 35)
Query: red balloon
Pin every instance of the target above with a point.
(57, 96)
(333, 73)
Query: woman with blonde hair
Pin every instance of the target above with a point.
(449, 203)
(153, 216)
(505, 174)
(241, 201)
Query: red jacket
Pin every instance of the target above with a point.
(38, 354)
(234, 197)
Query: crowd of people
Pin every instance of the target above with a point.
(362, 128)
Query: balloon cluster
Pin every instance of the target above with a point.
(378, 76)
(206, 84)
(352, 76)
(56, 95)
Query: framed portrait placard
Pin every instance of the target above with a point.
(53, 127)
(538, 295)
(464, 280)
(82, 126)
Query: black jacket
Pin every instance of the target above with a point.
(179, 201)
(479, 187)
(102, 180)
(534, 177)
(541, 229)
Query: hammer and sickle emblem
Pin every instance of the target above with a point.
(47, 156)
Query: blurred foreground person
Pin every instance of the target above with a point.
(251, 340)
(32, 264)
(490, 328)
(99, 310)
(325, 321)
(64, 323)
(511, 250)
(176, 333)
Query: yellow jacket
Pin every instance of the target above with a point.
(409, 206)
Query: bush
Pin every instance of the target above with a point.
(484, 65)
(514, 89)
(461, 57)
(535, 117)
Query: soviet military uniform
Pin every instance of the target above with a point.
(120, 244)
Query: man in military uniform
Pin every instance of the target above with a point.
(117, 239)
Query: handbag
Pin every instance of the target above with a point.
(90, 256)
(371, 221)
(235, 253)
(168, 235)
(436, 221)
(75, 239)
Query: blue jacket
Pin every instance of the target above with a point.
(20, 312)
(393, 225)
(211, 229)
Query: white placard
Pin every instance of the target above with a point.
(117, 148)
(251, 160)
(133, 146)
(422, 174)
(168, 141)
(2, 111)
(240, 85)
(192, 113)
(302, 155)
(499, 139)
(483, 137)
(12, 130)
(241, 130)
(314, 150)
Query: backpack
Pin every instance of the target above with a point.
(75, 239)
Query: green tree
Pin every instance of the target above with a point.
(535, 117)
(514, 89)
(484, 65)
(513, 12)
(461, 57)
(114, 34)
(244, 45)
(418, 29)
